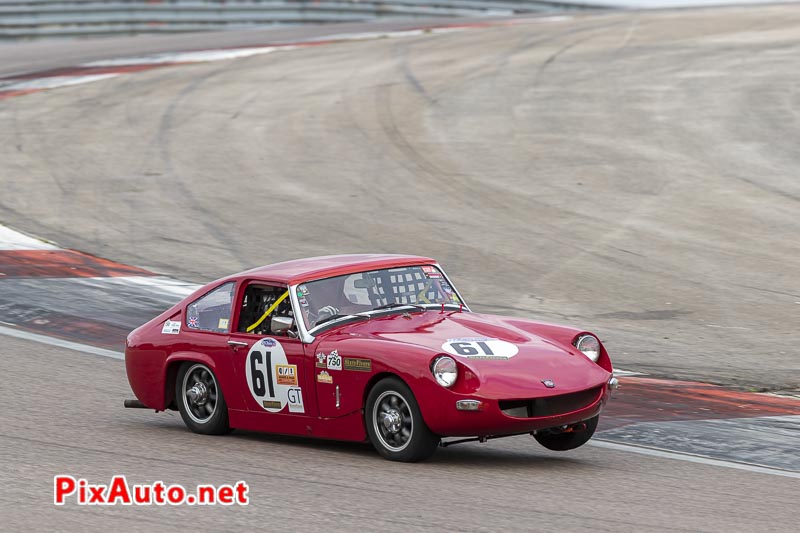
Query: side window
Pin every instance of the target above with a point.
(212, 312)
(259, 305)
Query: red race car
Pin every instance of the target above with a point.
(357, 347)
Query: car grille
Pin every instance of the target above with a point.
(551, 405)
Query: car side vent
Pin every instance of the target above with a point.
(552, 405)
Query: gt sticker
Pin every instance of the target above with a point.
(324, 377)
(287, 374)
(360, 365)
(270, 377)
(171, 327)
(334, 361)
(480, 348)
(295, 396)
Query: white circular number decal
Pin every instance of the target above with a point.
(272, 380)
(480, 348)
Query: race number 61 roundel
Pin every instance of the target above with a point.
(273, 382)
(480, 348)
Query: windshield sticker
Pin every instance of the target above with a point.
(446, 286)
(192, 322)
(303, 302)
(480, 348)
(324, 377)
(270, 377)
(431, 272)
(223, 324)
(302, 290)
(357, 364)
(171, 327)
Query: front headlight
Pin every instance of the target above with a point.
(445, 370)
(589, 346)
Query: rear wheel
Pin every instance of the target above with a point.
(394, 423)
(200, 400)
(574, 436)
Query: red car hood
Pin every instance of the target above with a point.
(517, 377)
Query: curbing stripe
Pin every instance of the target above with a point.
(53, 341)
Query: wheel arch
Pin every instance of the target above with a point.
(171, 366)
(374, 380)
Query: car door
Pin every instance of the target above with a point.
(206, 326)
(269, 367)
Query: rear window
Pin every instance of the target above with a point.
(212, 312)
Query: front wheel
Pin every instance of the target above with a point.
(394, 423)
(200, 400)
(561, 440)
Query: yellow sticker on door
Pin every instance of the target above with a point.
(287, 374)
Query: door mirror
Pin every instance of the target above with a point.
(280, 324)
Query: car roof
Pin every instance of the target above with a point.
(302, 270)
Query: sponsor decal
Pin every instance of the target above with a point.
(287, 374)
(295, 397)
(171, 327)
(324, 377)
(480, 348)
(333, 361)
(271, 405)
(269, 343)
(223, 323)
(321, 358)
(358, 364)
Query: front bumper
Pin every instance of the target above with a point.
(446, 419)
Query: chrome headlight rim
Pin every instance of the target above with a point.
(591, 352)
(445, 370)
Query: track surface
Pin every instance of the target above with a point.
(631, 173)
(508, 484)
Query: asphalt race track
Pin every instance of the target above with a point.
(633, 173)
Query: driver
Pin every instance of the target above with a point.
(324, 301)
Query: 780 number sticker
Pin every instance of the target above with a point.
(273, 382)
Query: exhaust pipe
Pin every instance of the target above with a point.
(135, 404)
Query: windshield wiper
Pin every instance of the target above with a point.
(337, 316)
(393, 305)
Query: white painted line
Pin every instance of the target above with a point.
(51, 82)
(52, 341)
(14, 240)
(160, 284)
(201, 56)
(619, 373)
(665, 454)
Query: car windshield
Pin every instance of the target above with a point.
(359, 294)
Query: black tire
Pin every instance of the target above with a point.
(556, 440)
(208, 414)
(394, 423)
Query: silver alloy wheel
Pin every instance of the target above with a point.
(392, 421)
(199, 393)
